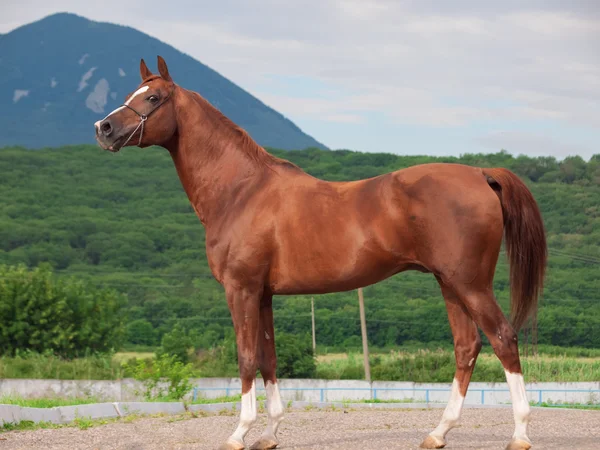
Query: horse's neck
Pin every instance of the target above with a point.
(210, 160)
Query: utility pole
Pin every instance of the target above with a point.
(363, 328)
(534, 339)
(312, 307)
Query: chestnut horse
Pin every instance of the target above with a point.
(273, 229)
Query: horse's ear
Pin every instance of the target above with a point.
(163, 70)
(144, 71)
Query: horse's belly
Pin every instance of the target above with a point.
(335, 269)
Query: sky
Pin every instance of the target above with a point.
(406, 77)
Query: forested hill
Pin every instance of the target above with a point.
(124, 221)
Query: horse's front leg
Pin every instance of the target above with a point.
(244, 305)
(267, 363)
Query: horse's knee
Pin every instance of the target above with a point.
(466, 352)
(247, 365)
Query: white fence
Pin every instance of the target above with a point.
(313, 390)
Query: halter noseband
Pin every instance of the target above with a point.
(144, 117)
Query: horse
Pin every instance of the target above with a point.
(272, 229)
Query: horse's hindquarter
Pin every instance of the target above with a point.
(455, 218)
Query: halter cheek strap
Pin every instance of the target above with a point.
(143, 118)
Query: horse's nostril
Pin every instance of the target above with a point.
(106, 128)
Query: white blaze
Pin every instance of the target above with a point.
(247, 415)
(521, 408)
(135, 94)
(451, 413)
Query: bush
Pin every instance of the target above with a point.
(164, 378)
(295, 357)
(41, 313)
(141, 332)
(177, 344)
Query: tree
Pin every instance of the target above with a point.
(295, 358)
(177, 344)
(141, 332)
(39, 312)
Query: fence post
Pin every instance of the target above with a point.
(363, 329)
(483, 396)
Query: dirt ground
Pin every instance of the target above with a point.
(365, 429)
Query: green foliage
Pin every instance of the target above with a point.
(295, 358)
(48, 366)
(46, 402)
(123, 222)
(141, 332)
(164, 378)
(425, 366)
(438, 367)
(64, 316)
(177, 344)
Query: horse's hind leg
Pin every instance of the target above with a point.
(267, 363)
(486, 312)
(467, 345)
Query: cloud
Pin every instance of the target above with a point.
(531, 144)
(461, 65)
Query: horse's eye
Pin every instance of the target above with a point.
(152, 99)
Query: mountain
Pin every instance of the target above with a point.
(62, 73)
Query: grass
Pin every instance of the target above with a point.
(419, 365)
(46, 402)
(123, 357)
(224, 399)
(573, 406)
(437, 366)
(81, 423)
(37, 366)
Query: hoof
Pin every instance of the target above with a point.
(433, 442)
(232, 444)
(264, 443)
(518, 444)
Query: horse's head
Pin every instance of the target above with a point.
(146, 118)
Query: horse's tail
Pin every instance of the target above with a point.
(525, 241)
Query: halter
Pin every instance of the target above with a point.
(144, 117)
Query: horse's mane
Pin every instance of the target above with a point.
(245, 143)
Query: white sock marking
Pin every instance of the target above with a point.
(274, 409)
(451, 413)
(247, 414)
(521, 408)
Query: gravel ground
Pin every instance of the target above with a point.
(375, 429)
